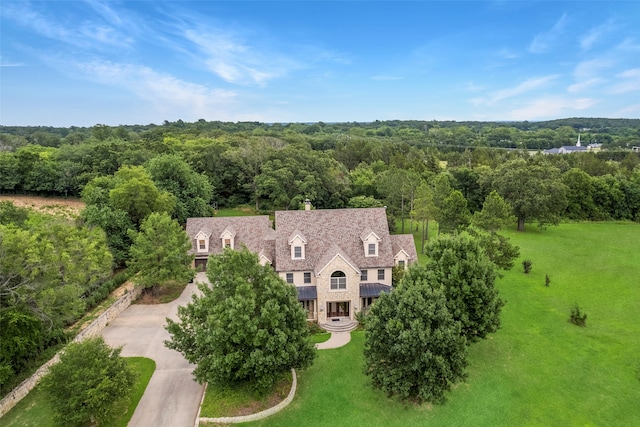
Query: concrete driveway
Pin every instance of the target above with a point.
(172, 397)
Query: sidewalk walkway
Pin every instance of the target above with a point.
(338, 339)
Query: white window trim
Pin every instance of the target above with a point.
(201, 236)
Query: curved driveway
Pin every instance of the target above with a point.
(172, 397)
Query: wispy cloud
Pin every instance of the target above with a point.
(4, 62)
(163, 91)
(629, 81)
(589, 73)
(543, 41)
(628, 111)
(594, 35)
(629, 44)
(235, 60)
(87, 34)
(550, 107)
(524, 87)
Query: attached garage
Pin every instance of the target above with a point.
(201, 264)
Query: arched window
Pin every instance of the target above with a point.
(338, 280)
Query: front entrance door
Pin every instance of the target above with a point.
(338, 309)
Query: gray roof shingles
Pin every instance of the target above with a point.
(250, 231)
(326, 228)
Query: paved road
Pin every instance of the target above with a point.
(172, 397)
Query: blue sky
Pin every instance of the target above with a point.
(79, 63)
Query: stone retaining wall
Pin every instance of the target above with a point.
(259, 415)
(93, 329)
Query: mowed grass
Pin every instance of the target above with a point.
(538, 370)
(34, 410)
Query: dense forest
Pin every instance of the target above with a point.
(452, 173)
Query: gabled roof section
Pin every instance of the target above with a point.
(323, 228)
(333, 253)
(249, 231)
(229, 231)
(364, 236)
(295, 234)
(404, 243)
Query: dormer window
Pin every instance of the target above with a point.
(297, 243)
(370, 241)
(202, 242)
(227, 237)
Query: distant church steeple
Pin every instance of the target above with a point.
(578, 143)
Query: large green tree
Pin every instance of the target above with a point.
(247, 326)
(460, 265)
(160, 252)
(413, 345)
(192, 190)
(534, 190)
(87, 385)
(135, 193)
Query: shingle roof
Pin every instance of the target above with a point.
(249, 231)
(324, 228)
(373, 290)
(404, 242)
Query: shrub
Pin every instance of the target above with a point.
(526, 265)
(88, 384)
(577, 317)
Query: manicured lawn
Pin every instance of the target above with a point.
(538, 369)
(35, 411)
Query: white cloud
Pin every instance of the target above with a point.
(629, 81)
(584, 85)
(543, 41)
(550, 107)
(629, 44)
(83, 35)
(524, 87)
(595, 34)
(164, 92)
(236, 61)
(628, 111)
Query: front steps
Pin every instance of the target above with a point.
(342, 325)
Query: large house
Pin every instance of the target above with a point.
(339, 260)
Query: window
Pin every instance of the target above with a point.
(381, 274)
(372, 249)
(307, 277)
(297, 252)
(363, 275)
(227, 243)
(338, 280)
(401, 263)
(289, 277)
(202, 244)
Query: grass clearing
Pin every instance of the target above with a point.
(34, 410)
(227, 401)
(539, 369)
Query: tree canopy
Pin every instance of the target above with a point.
(413, 345)
(160, 252)
(246, 327)
(459, 264)
(88, 383)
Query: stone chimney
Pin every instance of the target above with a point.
(307, 205)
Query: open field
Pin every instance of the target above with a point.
(66, 207)
(538, 369)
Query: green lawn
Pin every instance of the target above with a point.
(538, 370)
(35, 411)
